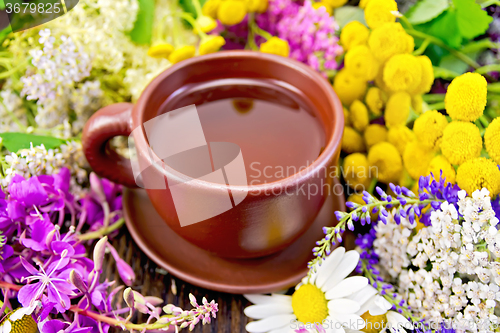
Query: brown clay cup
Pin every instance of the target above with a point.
(273, 215)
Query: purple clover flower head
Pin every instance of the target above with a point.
(311, 33)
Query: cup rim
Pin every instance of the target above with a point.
(333, 141)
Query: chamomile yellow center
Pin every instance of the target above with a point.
(309, 304)
(26, 324)
(374, 324)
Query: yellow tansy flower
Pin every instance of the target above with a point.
(402, 72)
(440, 163)
(363, 4)
(417, 102)
(385, 157)
(492, 140)
(160, 50)
(378, 12)
(336, 3)
(461, 142)
(356, 171)
(354, 33)
(360, 61)
(206, 23)
(257, 6)
(182, 53)
(429, 128)
(466, 97)
(426, 78)
(400, 136)
(231, 12)
(324, 4)
(277, 46)
(210, 8)
(397, 110)
(375, 99)
(374, 134)
(359, 115)
(356, 198)
(347, 119)
(348, 87)
(416, 159)
(211, 44)
(352, 141)
(478, 173)
(390, 39)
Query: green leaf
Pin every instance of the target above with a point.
(426, 10)
(143, 27)
(2, 5)
(188, 7)
(445, 27)
(456, 65)
(14, 141)
(472, 20)
(346, 14)
(444, 73)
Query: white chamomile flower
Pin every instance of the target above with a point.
(374, 310)
(320, 304)
(20, 321)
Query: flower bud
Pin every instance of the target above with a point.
(128, 296)
(192, 300)
(125, 271)
(77, 281)
(99, 251)
(96, 186)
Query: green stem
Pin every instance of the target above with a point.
(489, 3)
(194, 24)
(102, 231)
(251, 35)
(437, 106)
(484, 121)
(488, 69)
(422, 48)
(12, 116)
(436, 41)
(373, 183)
(255, 28)
(479, 45)
(197, 7)
(433, 97)
(10, 72)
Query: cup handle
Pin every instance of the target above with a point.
(110, 121)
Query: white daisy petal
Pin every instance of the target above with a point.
(345, 267)
(285, 329)
(364, 294)
(270, 323)
(397, 320)
(350, 320)
(380, 306)
(261, 311)
(343, 305)
(264, 299)
(332, 325)
(347, 287)
(328, 266)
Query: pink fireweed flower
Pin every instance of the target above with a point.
(51, 283)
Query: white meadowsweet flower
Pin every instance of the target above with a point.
(322, 300)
